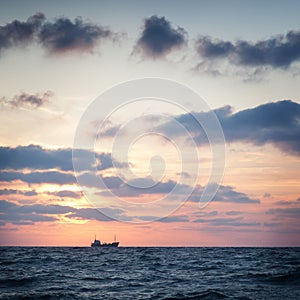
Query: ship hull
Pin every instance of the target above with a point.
(110, 245)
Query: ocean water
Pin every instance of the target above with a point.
(149, 273)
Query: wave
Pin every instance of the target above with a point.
(16, 282)
(289, 278)
(206, 295)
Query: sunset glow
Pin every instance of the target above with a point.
(51, 73)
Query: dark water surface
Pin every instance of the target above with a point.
(149, 273)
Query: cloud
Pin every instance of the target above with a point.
(260, 125)
(38, 177)
(284, 203)
(291, 212)
(15, 214)
(17, 33)
(94, 214)
(169, 219)
(62, 194)
(159, 38)
(201, 214)
(59, 36)
(235, 222)
(30, 214)
(18, 192)
(63, 35)
(272, 224)
(25, 100)
(276, 123)
(131, 189)
(37, 158)
(225, 194)
(233, 213)
(276, 52)
(66, 194)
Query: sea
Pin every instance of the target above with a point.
(149, 273)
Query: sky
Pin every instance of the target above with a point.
(166, 123)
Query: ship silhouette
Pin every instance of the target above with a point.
(97, 243)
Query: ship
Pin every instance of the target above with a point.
(97, 243)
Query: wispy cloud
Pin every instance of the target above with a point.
(25, 100)
(232, 222)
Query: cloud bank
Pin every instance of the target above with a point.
(276, 123)
(37, 158)
(31, 214)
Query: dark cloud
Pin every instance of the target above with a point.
(283, 202)
(233, 213)
(66, 194)
(63, 35)
(201, 214)
(38, 177)
(90, 180)
(94, 214)
(27, 100)
(9, 192)
(18, 192)
(35, 157)
(208, 48)
(290, 212)
(276, 52)
(225, 194)
(38, 158)
(122, 189)
(30, 214)
(62, 194)
(16, 214)
(228, 194)
(272, 224)
(117, 187)
(169, 219)
(159, 38)
(235, 222)
(58, 36)
(17, 32)
(276, 123)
